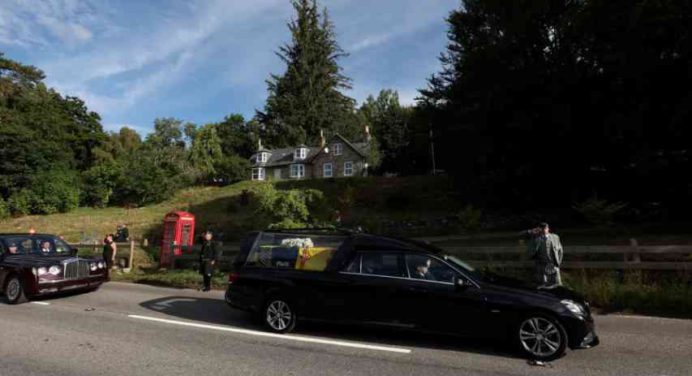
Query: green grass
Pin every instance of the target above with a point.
(170, 278)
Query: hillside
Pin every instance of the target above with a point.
(375, 203)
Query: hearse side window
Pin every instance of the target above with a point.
(24, 244)
(354, 266)
(383, 263)
(293, 251)
(429, 268)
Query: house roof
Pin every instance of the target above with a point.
(284, 156)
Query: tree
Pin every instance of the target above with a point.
(307, 97)
(238, 137)
(593, 93)
(389, 122)
(206, 151)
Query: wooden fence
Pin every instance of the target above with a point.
(631, 257)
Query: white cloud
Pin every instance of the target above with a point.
(38, 23)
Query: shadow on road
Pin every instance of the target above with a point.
(215, 311)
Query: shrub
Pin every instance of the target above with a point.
(19, 203)
(470, 219)
(98, 183)
(599, 212)
(4, 209)
(291, 208)
(54, 192)
(231, 169)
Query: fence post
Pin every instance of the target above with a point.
(130, 261)
(635, 255)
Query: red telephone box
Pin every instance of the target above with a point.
(178, 235)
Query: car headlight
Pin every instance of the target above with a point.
(101, 265)
(41, 271)
(55, 270)
(574, 307)
(92, 266)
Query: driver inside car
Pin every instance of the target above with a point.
(13, 249)
(45, 247)
(422, 270)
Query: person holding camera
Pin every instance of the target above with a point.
(546, 251)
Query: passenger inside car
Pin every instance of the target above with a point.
(45, 247)
(421, 270)
(12, 248)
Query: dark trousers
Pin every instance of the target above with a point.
(207, 281)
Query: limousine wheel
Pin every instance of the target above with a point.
(279, 317)
(542, 338)
(14, 293)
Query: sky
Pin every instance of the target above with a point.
(133, 61)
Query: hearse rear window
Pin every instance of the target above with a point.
(293, 251)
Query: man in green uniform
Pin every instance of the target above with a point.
(546, 251)
(208, 257)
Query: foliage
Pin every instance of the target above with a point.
(238, 137)
(230, 169)
(4, 209)
(19, 202)
(98, 184)
(205, 152)
(307, 97)
(599, 212)
(539, 102)
(389, 123)
(470, 219)
(289, 208)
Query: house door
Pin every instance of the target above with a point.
(277, 174)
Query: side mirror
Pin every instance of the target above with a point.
(74, 251)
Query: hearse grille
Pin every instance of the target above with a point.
(76, 269)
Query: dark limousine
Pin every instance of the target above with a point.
(291, 275)
(33, 265)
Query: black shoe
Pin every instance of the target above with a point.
(206, 289)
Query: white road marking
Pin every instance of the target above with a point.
(41, 303)
(274, 335)
(160, 306)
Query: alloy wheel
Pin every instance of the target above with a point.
(279, 315)
(13, 290)
(540, 337)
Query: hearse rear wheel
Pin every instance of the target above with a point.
(14, 292)
(279, 316)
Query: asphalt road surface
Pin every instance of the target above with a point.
(127, 329)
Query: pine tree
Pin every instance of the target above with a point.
(307, 97)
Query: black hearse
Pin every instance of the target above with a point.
(290, 275)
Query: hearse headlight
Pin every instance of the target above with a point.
(93, 266)
(41, 271)
(574, 307)
(54, 270)
(101, 265)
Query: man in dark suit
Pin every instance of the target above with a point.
(208, 257)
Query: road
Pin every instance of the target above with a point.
(128, 329)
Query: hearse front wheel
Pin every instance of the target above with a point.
(14, 293)
(541, 338)
(279, 316)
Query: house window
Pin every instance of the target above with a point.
(263, 157)
(337, 149)
(258, 173)
(297, 171)
(327, 170)
(348, 168)
(300, 153)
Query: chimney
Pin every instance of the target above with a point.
(367, 133)
(323, 142)
(259, 144)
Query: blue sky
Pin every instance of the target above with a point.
(134, 60)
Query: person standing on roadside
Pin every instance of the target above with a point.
(545, 250)
(208, 257)
(110, 249)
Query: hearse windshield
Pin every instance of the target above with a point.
(293, 251)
